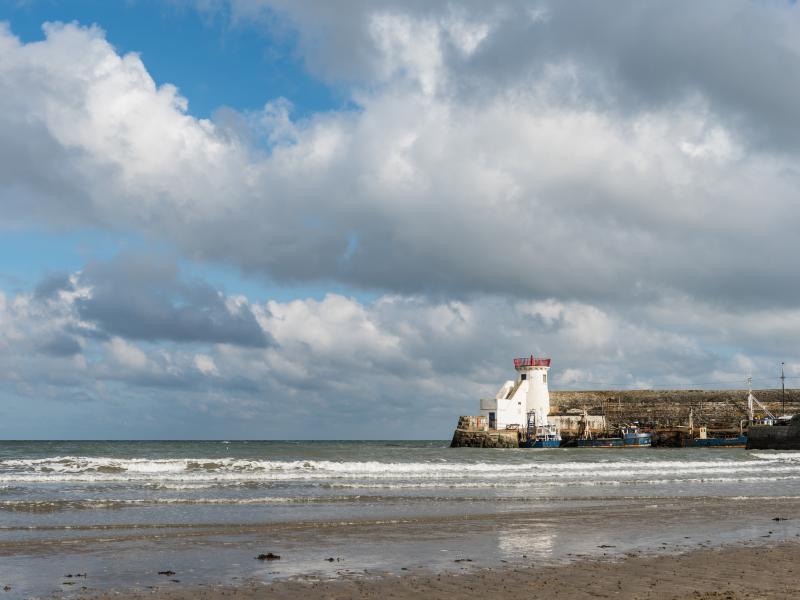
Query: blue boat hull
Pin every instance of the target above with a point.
(731, 442)
(543, 443)
(601, 443)
(643, 440)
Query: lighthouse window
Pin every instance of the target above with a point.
(544, 377)
(523, 377)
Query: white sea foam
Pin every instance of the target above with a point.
(147, 465)
(781, 455)
(195, 473)
(32, 505)
(556, 483)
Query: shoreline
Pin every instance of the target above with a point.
(412, 520)
(586, 543)
(730, 572)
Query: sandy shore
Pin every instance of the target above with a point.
(676, 548)
(738, 572)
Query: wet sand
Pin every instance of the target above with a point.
(738, 572)
(637, 548)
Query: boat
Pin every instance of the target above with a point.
(541, 436)
(738, 441)
(730, 441)
(630, 436)
(782, 433)
(768, 432)
(633, 437)
(702, 440)
(600, 442)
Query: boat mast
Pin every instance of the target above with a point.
(783, 391)
(752, 399)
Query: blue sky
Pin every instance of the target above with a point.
(250, 218)
(215, 63)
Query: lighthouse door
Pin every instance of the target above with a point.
(492, 420)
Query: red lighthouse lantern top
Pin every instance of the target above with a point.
(531, 362)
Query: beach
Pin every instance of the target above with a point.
(730, 573)
(389, 519)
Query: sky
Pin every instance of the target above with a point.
(272, 219)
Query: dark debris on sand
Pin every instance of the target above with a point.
(268, 556)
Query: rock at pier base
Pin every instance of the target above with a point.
(463, 438)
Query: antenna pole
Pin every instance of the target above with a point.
(783, 391)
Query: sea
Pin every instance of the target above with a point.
(124, 511)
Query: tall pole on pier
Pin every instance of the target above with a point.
(783, 391)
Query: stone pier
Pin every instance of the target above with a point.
(665, 412)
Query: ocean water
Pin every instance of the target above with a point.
(210, 482)
(380, 504)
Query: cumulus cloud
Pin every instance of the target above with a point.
(639, 56)
(51, 285)
(60, 344)
(396, 366)
(574, 177)
(144, 298)
(613, 188)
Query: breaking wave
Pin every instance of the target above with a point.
(197, 473)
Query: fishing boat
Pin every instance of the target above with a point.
(541, 436)
(600, 442)
(634, 437)
(738, 441)
(703, 440)
(730, 441)
(781, 434)
(768, 432)
(629, 436)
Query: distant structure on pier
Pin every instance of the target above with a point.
(520, 415)
(516, 400)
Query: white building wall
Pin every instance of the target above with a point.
(538, 397)
(508, 411)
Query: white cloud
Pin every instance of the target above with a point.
(127, 355)
(364, 366)
(510, 191)
(205, 364)
(508, 181)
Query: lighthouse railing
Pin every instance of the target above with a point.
(531, 362)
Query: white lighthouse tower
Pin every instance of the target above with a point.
(524, 404)
(534, 372)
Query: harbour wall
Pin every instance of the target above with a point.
(715, 409)
(666, 412)
(469, 434)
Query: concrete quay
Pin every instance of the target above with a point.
(665, 412)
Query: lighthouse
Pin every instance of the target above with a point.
(519, 400)
(537, 398)
(523, 405)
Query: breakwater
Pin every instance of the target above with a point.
(668, 413)
(715, 409)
